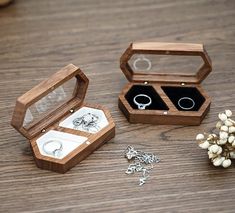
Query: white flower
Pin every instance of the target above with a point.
(200, 137)
(231, 138)
(226, 163)
(221, 146)
(222, 141)
(228, 123)
(222, 116)
(218, 161)
(228, 112)
(204, 145)
(224, 128)
(214, 148)
(223, 135)
(231, 129)
(219, 151)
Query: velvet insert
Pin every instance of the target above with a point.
(176, 93)
(157, 102)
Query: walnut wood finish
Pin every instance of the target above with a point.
(77, 155)
(40, 91)
(173, 115)
(52, 120)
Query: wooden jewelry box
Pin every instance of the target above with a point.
(61, 128)
(165, 97)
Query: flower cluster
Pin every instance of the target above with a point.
(221, 147)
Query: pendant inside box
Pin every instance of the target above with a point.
(175, 98)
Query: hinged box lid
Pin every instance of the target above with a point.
(141, 52)
(49, 101)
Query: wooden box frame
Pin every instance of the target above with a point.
(52, 120)
(173, 115)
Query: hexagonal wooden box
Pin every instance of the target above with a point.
(176, 98)
(39, 99)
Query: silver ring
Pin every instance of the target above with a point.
(142, 58)
(142, 105)
(186, 98)
(56, 152)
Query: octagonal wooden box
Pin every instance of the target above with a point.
(169, 92)
(47, 112)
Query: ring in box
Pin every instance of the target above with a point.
(62, 130)
(165, 97)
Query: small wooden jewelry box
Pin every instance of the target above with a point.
(61, 128)
(164, 97)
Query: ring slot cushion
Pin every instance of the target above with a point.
(165, 88)
(44, 113)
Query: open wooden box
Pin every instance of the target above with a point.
(176, 98)
(61, 128)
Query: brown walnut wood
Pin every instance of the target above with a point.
(173, 115)
(41, 90)
(81, 152)
(52, 120)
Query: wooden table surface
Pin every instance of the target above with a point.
(39, 37)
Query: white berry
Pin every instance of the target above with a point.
(228, 123)
(218, 161)
(204, 145)
(219, 151)
(231, 139)
(222, 141)
(214, 148)
(200, 137)
(220, 146)
(231, 129)
(223, 135)
(228, 112)
(222, 116)
(226, 163)
(224, 128)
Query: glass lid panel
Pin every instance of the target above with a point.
(49, 103)
(165, 64)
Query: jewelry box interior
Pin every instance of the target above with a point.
(164, 87)
(62, 129)
(184, 98)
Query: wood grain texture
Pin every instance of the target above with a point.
(40, 91)
(39, 37)
(156, 80)
(81, 152)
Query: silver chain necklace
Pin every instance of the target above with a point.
(140, 162)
